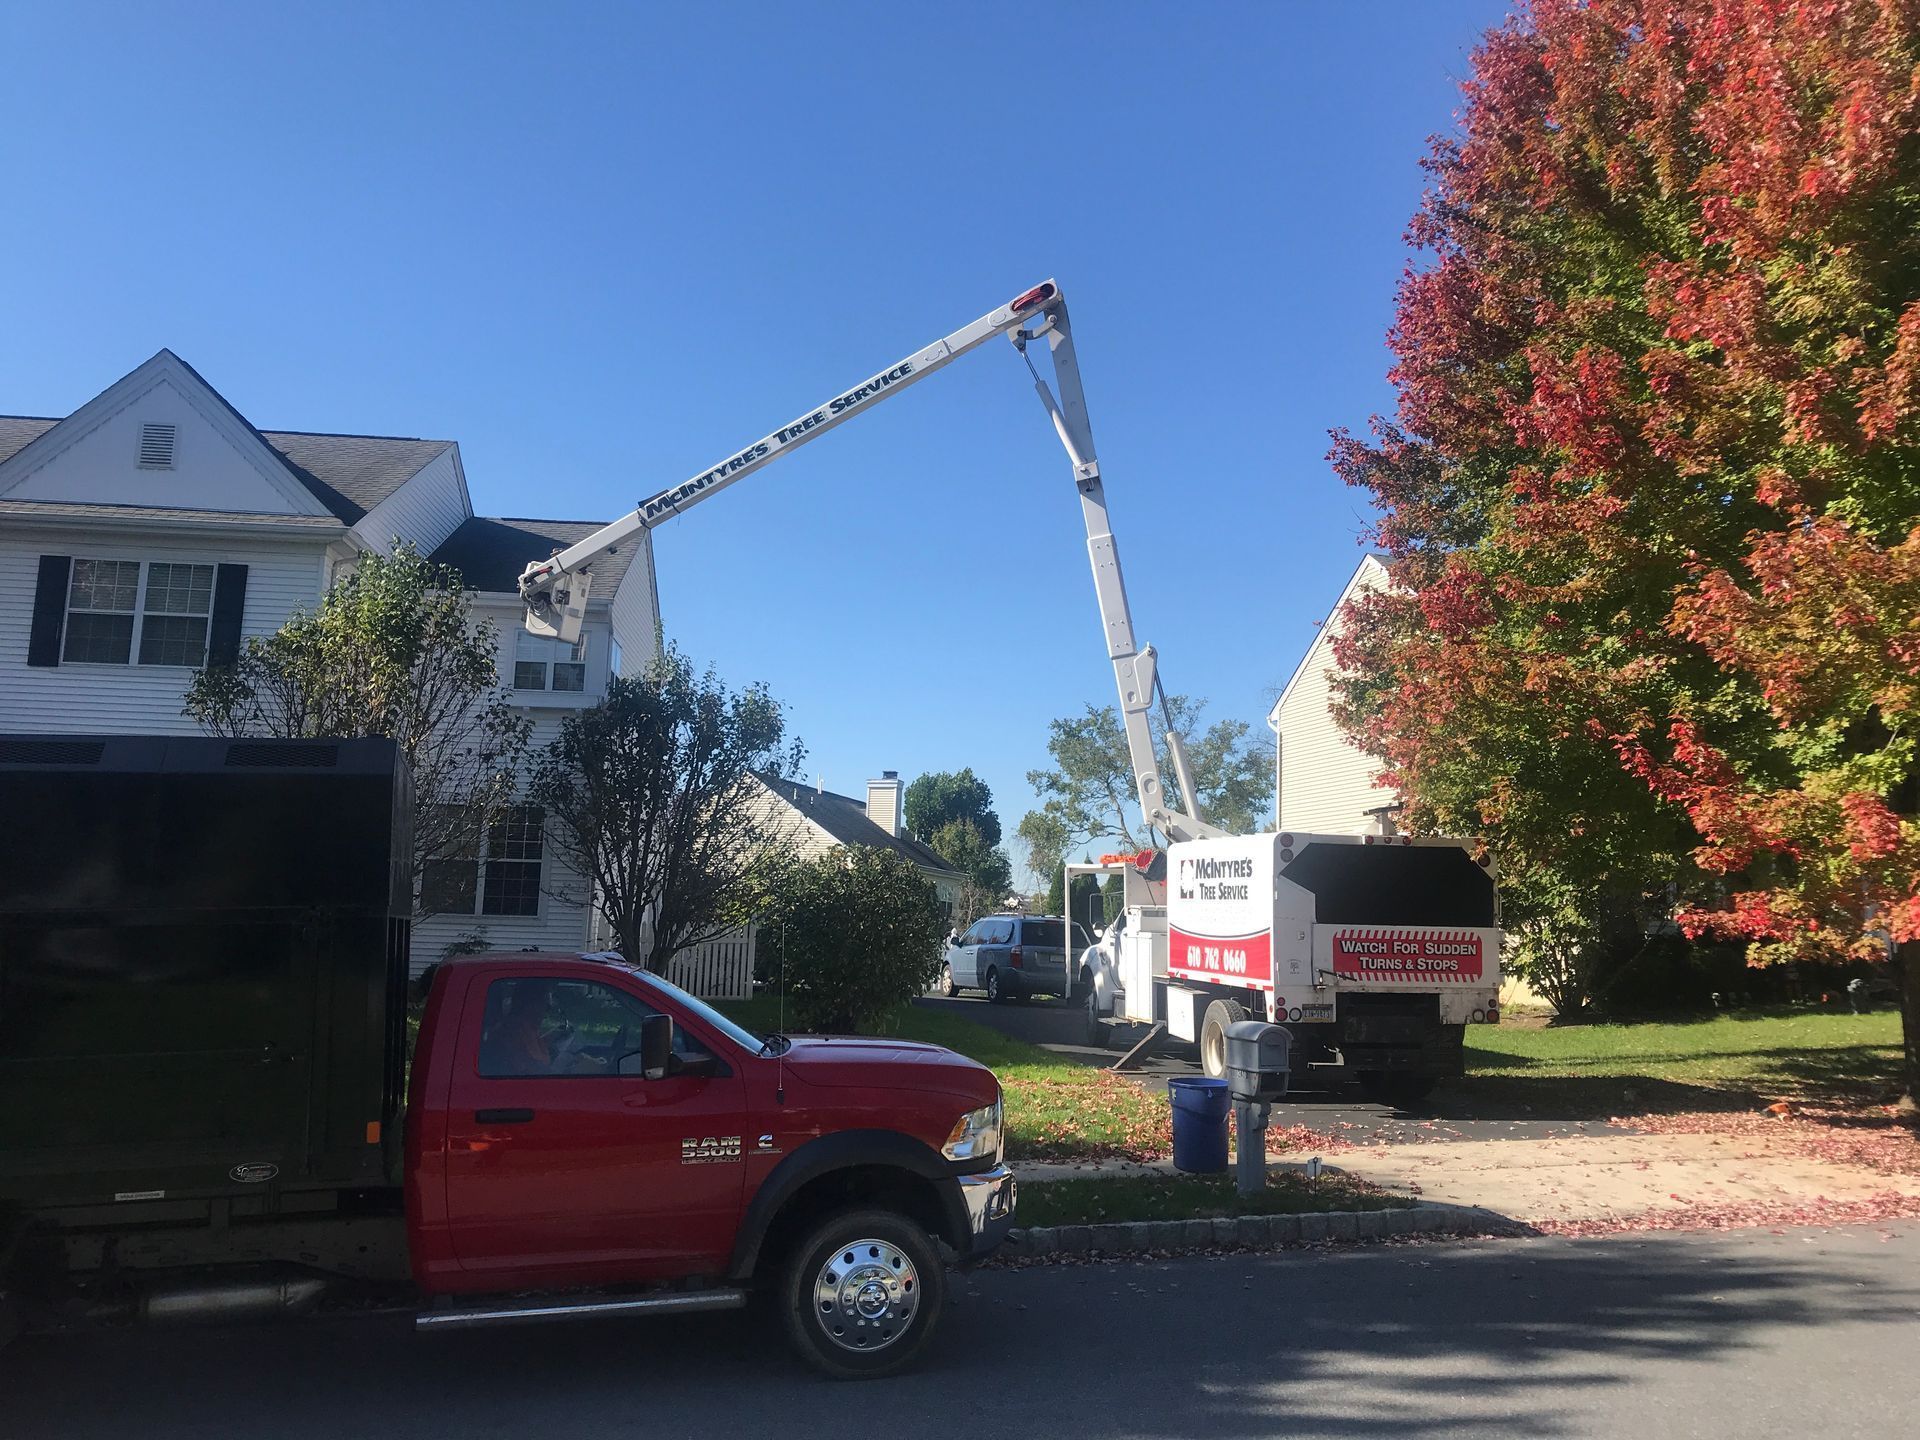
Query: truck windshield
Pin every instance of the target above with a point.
(740, 1036)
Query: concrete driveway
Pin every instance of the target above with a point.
(1322, 1100)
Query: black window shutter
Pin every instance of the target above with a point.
(229, 604)
(49, 610)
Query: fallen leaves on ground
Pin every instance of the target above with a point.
(1872, 1137)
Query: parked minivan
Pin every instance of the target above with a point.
(1013, 956)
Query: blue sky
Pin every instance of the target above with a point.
(602, 246)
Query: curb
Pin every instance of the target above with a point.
(1248, 1232)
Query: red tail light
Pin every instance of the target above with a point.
(1013, 957)
(1039, 295)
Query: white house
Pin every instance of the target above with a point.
(818, 820)
(1323, 784)
(156, 527)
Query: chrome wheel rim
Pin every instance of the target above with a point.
(866, 1295)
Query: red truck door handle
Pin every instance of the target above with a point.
(502, 1117)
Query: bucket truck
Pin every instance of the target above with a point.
(1374, 951)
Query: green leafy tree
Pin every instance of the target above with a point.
(850, 936)
(944, 797)
(1089, 793)
(989, 875)
(392, 650)
(650, 795)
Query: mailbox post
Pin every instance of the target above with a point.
(1259, 1057)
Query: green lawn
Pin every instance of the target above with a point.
(1706, 1063)
(1192, 1197)
(1056, 1110)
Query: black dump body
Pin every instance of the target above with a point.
(203, 952)
(1389, 884)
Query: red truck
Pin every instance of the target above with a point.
(206, 1109)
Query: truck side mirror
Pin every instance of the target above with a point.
(656, 1046)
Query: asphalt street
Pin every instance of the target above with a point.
(1748, 1333)
(1323, 1100)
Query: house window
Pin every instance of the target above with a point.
(613, 656)
(542, 663)
(495, 867)
(156, 610)
(514, 847)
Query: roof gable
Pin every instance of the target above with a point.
(233, 469)
(1369, 574)
(216, 460)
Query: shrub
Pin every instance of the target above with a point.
(857, 933)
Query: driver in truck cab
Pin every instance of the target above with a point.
(519, 1042)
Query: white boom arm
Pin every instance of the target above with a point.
(556, 589)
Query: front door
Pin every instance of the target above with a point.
(560, 1166)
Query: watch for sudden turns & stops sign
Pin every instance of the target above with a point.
(1414, 955)
(1220, 910)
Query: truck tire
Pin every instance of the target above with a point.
(862, 1294)
(1097, 1032)
(995, 995)
(1213, 1035)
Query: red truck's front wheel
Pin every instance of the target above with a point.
(863, 1293)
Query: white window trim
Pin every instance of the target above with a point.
(133, 661)
(545, 688)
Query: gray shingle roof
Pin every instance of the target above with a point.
(349, 474)
(845, 819)
(490, 552)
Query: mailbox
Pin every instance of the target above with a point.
(1258, 1059)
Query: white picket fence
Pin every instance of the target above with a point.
(717, 969)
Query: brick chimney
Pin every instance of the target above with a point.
(883, 802)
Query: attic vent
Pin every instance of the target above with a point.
(283, 753)
(156, 446)
(51, 752)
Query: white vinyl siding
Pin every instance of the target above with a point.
(635, 611)
(119, 698)
(1326, 784)
(423, 512)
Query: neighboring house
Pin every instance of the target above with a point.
(821, 820)
(1322, 783)
(155, 527)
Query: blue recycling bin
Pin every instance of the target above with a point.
(1200, 1108)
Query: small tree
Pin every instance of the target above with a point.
(393, 650)
(650, 794)
(989, 876)
(854, 933)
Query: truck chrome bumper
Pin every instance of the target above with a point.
(989, 1198)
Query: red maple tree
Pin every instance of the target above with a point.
(1651, 493)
